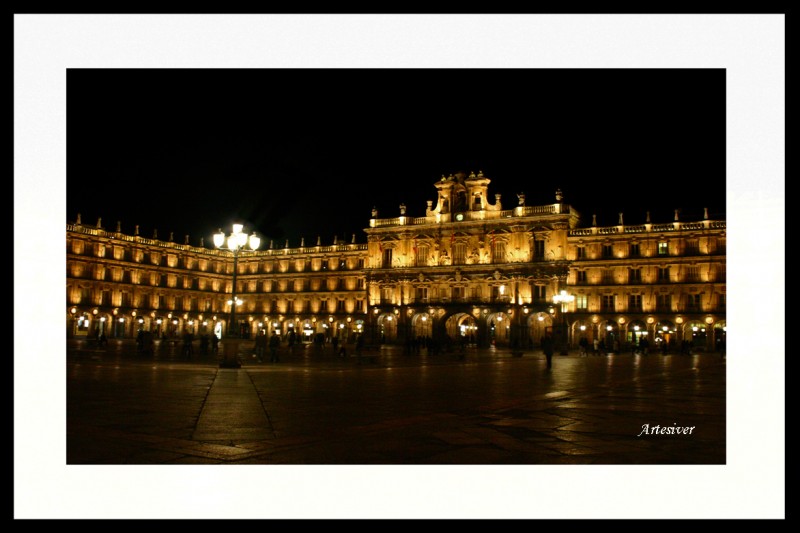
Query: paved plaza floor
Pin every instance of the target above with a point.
(483, 407)
(483, 434)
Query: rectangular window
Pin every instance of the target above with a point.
(539, 293)
(538, 250)
(693, 302)
(581, 302)
(663, 275)
(458, 294)
(474, 293)
(608, 250)
(581, 276)
(692, 274)
(126, 299)
(663, 248)
(634, 275)
(421, 294)
(386, 295)
(360, 283)
(581, 252)
(692, 247)
(421, 258)
(664, 302)
(721, 302)
(387, 258)
(360, 263)
(608, 303)
(459, 254)
(633, 251)
(360, 306)
(496, 295)
(608, 276)
(499, 252)
(634, 302)
(340, 305)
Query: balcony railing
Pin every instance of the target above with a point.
(467, 300)
(523, 211)
(643, 228)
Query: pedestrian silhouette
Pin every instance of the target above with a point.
(261, 345)
(187, 344)
(547, 348)
(584, 346)
(274, 342)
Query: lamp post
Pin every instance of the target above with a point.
(234, 243)
(564, 299)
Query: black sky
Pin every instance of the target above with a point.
(297, 153)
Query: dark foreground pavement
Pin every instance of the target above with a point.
(485, 407)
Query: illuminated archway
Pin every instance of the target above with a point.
(608, 333)
(387, 327)
(636, 331)
(499, 328)
(539, 325)
(421, 326)
(696, 333)
(666, 335)
(462, 328)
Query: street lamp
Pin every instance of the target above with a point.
(564, 299)
(234, 243)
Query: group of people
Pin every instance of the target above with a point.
(262, 343)
(273, 343)
(598, 347)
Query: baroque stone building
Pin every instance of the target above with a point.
(468, 271)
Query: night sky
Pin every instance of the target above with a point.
(297, 153)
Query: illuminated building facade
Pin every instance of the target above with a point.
(468, 271)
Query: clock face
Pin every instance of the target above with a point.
(460, 217)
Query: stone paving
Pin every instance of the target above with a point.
(485, 407)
